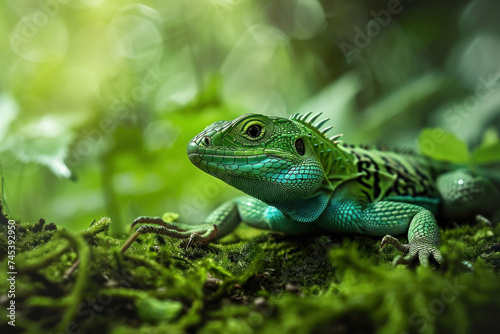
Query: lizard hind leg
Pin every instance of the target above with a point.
(395, 217)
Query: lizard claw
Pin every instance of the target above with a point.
(202, 237)
(390, 240)
(193, 238)
(415, 249)
(423, 254)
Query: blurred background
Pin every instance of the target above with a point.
(99, 98)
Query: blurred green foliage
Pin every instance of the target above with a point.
(99, 98)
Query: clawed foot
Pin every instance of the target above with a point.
(415, 249)
(201, 237)
(190, 234)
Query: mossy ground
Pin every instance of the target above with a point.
(251, 282)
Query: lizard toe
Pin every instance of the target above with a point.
(195, 237)
(436, 253)
(201, 237)
(409, 258)
(390, 240)
(423, 257)
(421, 251)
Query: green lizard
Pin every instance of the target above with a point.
(301, 182)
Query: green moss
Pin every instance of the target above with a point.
(259, 283)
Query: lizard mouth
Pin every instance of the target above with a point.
(229, 160)
(224, 159)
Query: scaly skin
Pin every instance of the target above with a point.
(301, 182)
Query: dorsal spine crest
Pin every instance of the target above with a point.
(333, 158)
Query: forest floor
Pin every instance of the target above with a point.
(250, 282)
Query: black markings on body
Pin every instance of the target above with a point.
(408, 183)
(426, 184)
(410, 180)
(368, 167)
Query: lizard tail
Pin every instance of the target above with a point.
(490, 171)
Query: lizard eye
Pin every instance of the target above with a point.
(299, 146)
(254, 131)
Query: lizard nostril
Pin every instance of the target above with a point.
(206, 141)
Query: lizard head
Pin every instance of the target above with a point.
(269, 158)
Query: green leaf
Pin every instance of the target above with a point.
(441, 145)
(50, 152)
(170, 217)
(44, 142)
(490, 137)
(489, 150)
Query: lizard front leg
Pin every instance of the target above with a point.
(223, 221)
(219, 223)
